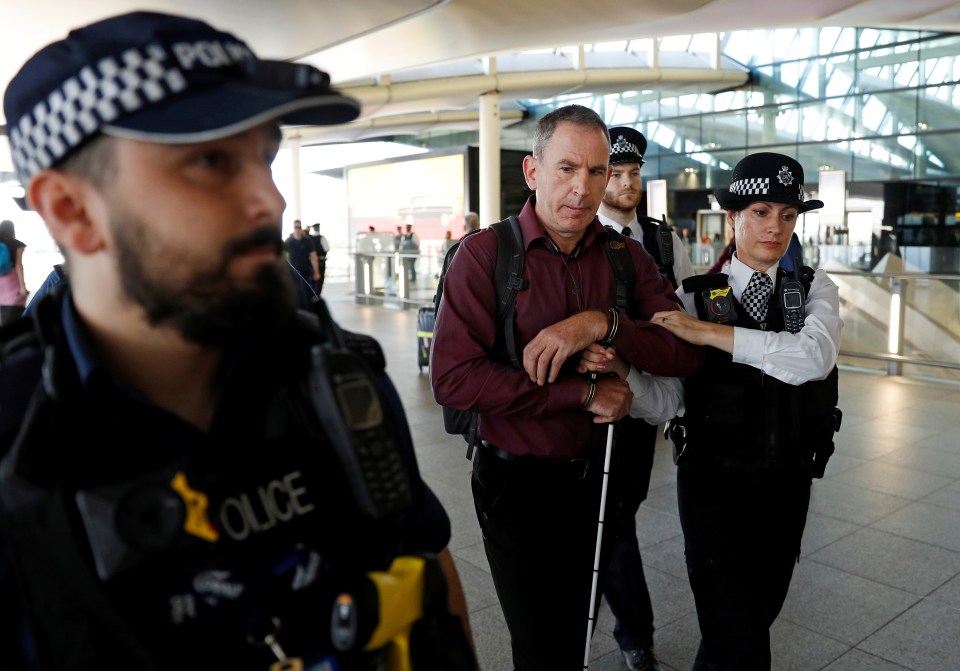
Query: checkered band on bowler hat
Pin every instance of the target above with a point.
(769, 177)
(159, 78)
(627, 145)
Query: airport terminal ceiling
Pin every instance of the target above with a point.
(671, 91)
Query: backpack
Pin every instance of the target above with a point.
(507, 281)
(6, 261)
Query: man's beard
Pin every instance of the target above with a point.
(622, 202)
(208, 308)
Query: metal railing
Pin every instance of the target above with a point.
(901, 319)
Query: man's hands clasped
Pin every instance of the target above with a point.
(544, 356)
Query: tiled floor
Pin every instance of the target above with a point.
(878, 584)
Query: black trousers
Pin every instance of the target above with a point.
(742, 535)
(539, 527)
(625, 588)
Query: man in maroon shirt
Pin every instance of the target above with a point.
(537, 479)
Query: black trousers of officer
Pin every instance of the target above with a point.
(742, 533)
(539, 524)
(625, 588)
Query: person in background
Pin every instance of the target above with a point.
(321, 246)
(409, 249)
(471, 222)
(177, 487)
(538, 471)
(448, 242)
(303, 262)
(759, 416)
(626, 588)
(13, 290)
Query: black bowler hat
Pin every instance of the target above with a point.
(157, 78)
(627, 145)
(769, 177)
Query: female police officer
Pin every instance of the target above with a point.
(759, 417)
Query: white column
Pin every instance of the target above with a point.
(489, 206)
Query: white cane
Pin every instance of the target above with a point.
(596, 557)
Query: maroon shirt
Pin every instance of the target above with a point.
(470, 369)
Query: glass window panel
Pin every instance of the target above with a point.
(790, 74)
(669, 107)
(788, 123)
(756, 98)
(650, 109)
(805, 45)
(813, 124)
(937, 70)
(747, 46)
(726, 130)
(934, 112)
(724, 101)
(771, 125)
(782, 41)
(810, 82)
(869, 38)
(907, 75)
(688, 128)
(838, 75)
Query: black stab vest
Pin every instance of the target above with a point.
(738, 415)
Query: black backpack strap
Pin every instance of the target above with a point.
(623, 272)
(447, 259)
(658, 242)
(508, 280)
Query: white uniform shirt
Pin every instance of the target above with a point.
(655, 399)
(793, 358)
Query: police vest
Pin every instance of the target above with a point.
(137, 552)
(737, 414)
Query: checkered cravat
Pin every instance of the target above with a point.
(756, 296)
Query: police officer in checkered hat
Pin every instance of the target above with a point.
(759, 417)
(178, 486)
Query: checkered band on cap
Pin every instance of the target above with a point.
(99, 94)
(755, 186)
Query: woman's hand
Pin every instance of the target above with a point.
(695, 331)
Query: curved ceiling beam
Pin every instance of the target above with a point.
(462, 92)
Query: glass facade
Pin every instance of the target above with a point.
(881, 105)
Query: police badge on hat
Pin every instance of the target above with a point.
(627, 145)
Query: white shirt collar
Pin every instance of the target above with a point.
(633, 224)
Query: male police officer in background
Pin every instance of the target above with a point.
(173, 494)
(759, 417)
(626, 588)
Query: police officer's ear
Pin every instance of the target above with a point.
(63, 201)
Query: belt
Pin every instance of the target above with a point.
(576, 469)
